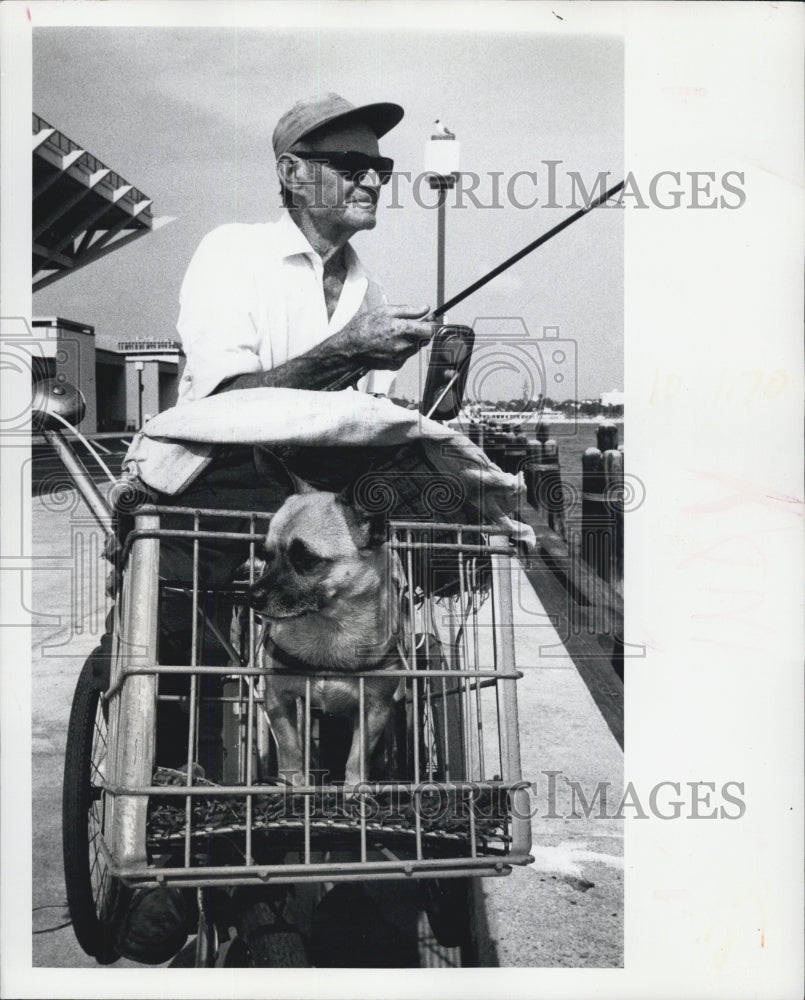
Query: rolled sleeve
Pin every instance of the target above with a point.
(378, 382)
(218, 331)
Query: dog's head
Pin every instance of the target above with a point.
(320, 550)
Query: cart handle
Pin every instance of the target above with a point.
(56, 404)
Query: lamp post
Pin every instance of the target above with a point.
(441, 164)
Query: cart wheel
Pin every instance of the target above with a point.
(93, 895)
(447, 904)
(267, 940)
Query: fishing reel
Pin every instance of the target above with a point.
(446, 379)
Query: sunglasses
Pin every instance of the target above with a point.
(353, 165)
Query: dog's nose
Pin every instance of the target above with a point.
(256, 594)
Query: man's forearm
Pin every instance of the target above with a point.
(316, 369)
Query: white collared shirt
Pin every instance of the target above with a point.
(253, 298)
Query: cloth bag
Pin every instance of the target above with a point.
(176, 445)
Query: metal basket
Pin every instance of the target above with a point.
(188, 794)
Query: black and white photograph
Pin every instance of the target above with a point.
(402, 573)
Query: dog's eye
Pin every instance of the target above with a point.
(303, 559)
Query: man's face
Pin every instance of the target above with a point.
(340, 205)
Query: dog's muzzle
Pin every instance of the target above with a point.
(257, 593)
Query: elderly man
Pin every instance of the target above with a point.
(284, 304)
(289, 304)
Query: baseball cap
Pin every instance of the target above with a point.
(308, 115)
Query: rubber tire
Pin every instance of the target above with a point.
(267, 942)
(447, 905)
(93, 929)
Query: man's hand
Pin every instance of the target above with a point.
(382, 338)
(387, 336)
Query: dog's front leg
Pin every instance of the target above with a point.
(377, 711)
(281, 708)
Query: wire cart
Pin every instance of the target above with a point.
(170, 772)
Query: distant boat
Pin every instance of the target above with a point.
(508, 418)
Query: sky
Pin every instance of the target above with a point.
(186, 115)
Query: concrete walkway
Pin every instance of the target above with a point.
(564, 910)
(68, 613)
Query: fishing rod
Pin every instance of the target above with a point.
(349, 379)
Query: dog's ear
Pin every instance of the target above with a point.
(370, 526)
(347, 495)
(301, 485)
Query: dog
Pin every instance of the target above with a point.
(331, 594)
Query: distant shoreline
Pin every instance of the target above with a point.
(551, 422)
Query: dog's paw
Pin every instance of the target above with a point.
(359, 801)
(292, 777)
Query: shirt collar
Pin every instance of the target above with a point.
(290, 241)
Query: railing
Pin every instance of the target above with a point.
(134, 346)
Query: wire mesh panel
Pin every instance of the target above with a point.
(440, 793)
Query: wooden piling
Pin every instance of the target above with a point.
(532, 471)
(508, 451)
(544, 482)
(606, 436)
(495, 447)
(519, 450)
(486, 438)
(602, 505)
(613, 478)
(596, 518)
(552, 494)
